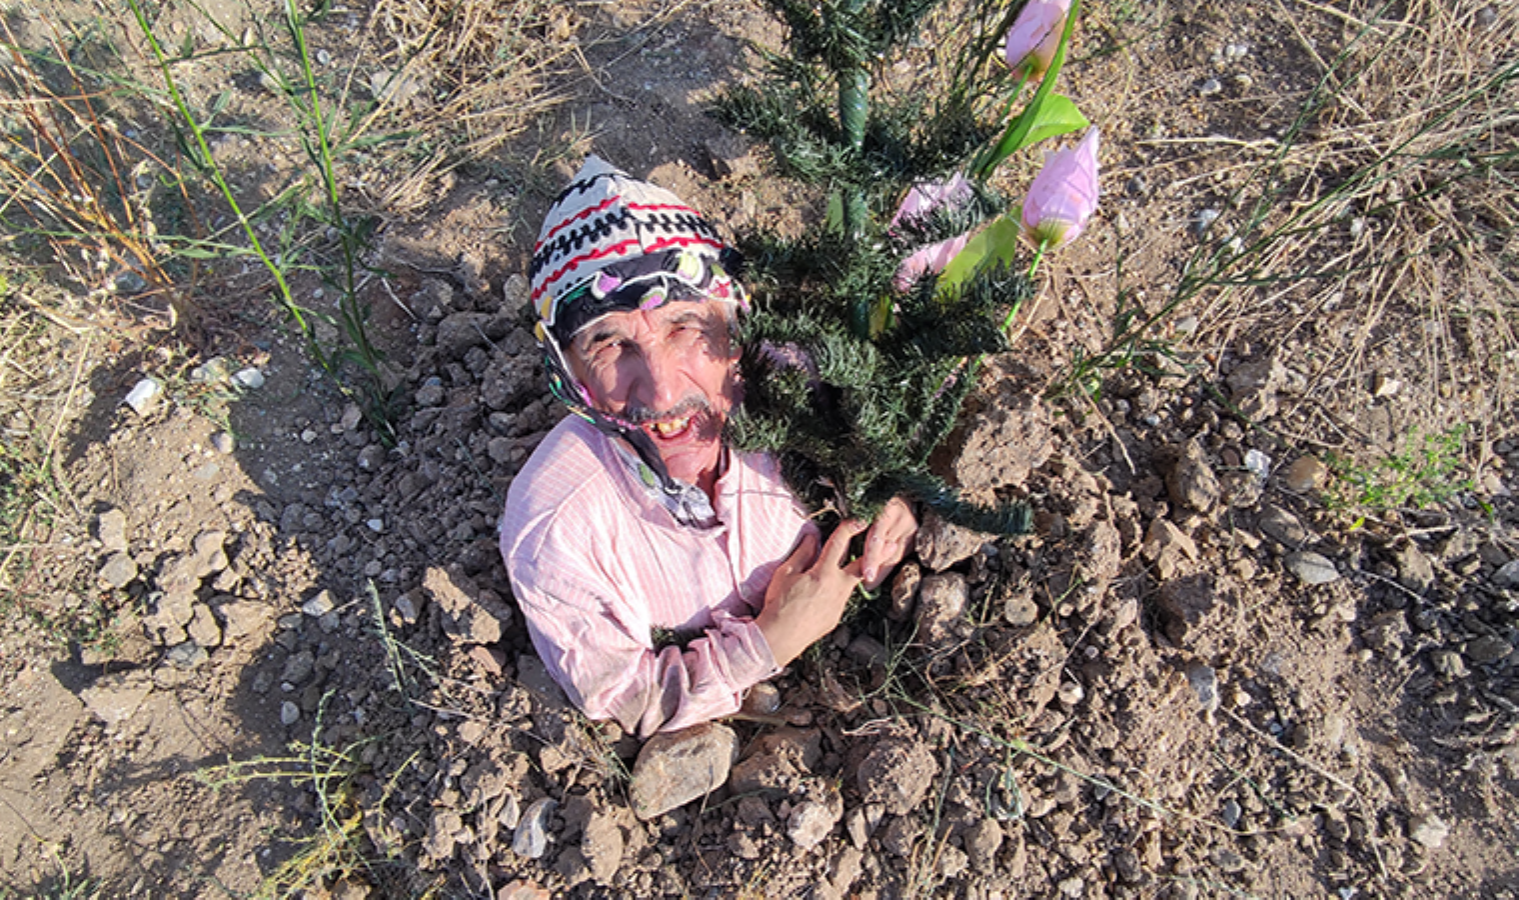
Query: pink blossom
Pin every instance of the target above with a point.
(1035, 35)
(929, 196)
(928, 261)
(1063, 195)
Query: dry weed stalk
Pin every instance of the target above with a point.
(1391, 211)
(72, 178)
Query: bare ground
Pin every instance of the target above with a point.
(1146, 698)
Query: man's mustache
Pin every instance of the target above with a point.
(691, 406)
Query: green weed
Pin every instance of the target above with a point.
(339, 848)
(1425, 472)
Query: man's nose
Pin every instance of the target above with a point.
(660, 381)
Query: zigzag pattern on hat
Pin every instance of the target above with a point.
(597, 239)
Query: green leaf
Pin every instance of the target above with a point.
(1056, 116)
(997, 243)
(1018, 129)
(835, 218)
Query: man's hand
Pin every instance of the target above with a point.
(806, 596)
(887, 541)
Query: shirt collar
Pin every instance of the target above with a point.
(690, 506)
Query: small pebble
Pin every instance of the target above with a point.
(1311, 568)
(144, 396)
(223, 442)
(290, 713)
(250, 378)
(1204, 221)
(1209, 88)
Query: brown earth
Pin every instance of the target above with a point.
(259, 652)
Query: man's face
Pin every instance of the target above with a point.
(669, 371)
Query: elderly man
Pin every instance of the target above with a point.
(661, 574)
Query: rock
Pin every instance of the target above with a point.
(119, 570)
(1126, 866)
(1020, 610)
(223, 443)
(731, 156)
(812, 820)
(111, 530)
(245, 618)
(1448, 664)
(1004, 444)
(846, 868)
(1169, 548)
(1310, 567)
(602, 843)
(1191, 482)
(1253, 386)
(1429, 831)
(904, 591)
(460, 331)
(897, 773)
(1507, 575)
(1204, 682)
(473, 615)
(941, 544)
(1283, 527)
(515, 293)
(982, 844)
(144, 396)
(250, 378)
(290, 713)
(1184, 602)
(1305, 474)
(856, 827)
(522, 890)
(1386, 632)
(941, 607)
(203, 628)
(298, 667)
(674, 768)
(114, 698)
(210, 556)
(1101, 556)
(531, 837)
(441, 829)
(319, 605)
(489, 659)
(186, 655)
(1489, 648)
(1415, 571)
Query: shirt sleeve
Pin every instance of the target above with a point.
(604, 659)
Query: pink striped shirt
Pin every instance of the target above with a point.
(597, 564)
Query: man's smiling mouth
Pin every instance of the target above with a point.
(669, 428)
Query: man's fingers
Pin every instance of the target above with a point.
(801, 558)
(838, 543)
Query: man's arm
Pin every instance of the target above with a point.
(605, 664)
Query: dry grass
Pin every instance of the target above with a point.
(488, 70)
(1383, 229)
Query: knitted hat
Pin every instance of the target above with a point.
(612, 243)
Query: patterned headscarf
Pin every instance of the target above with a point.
(611, 243)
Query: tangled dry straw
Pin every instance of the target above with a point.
(486, 70)
(1388, 210)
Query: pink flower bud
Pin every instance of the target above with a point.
(928, 261)
(1063, 195)
(1035, 35)
(929, 196)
